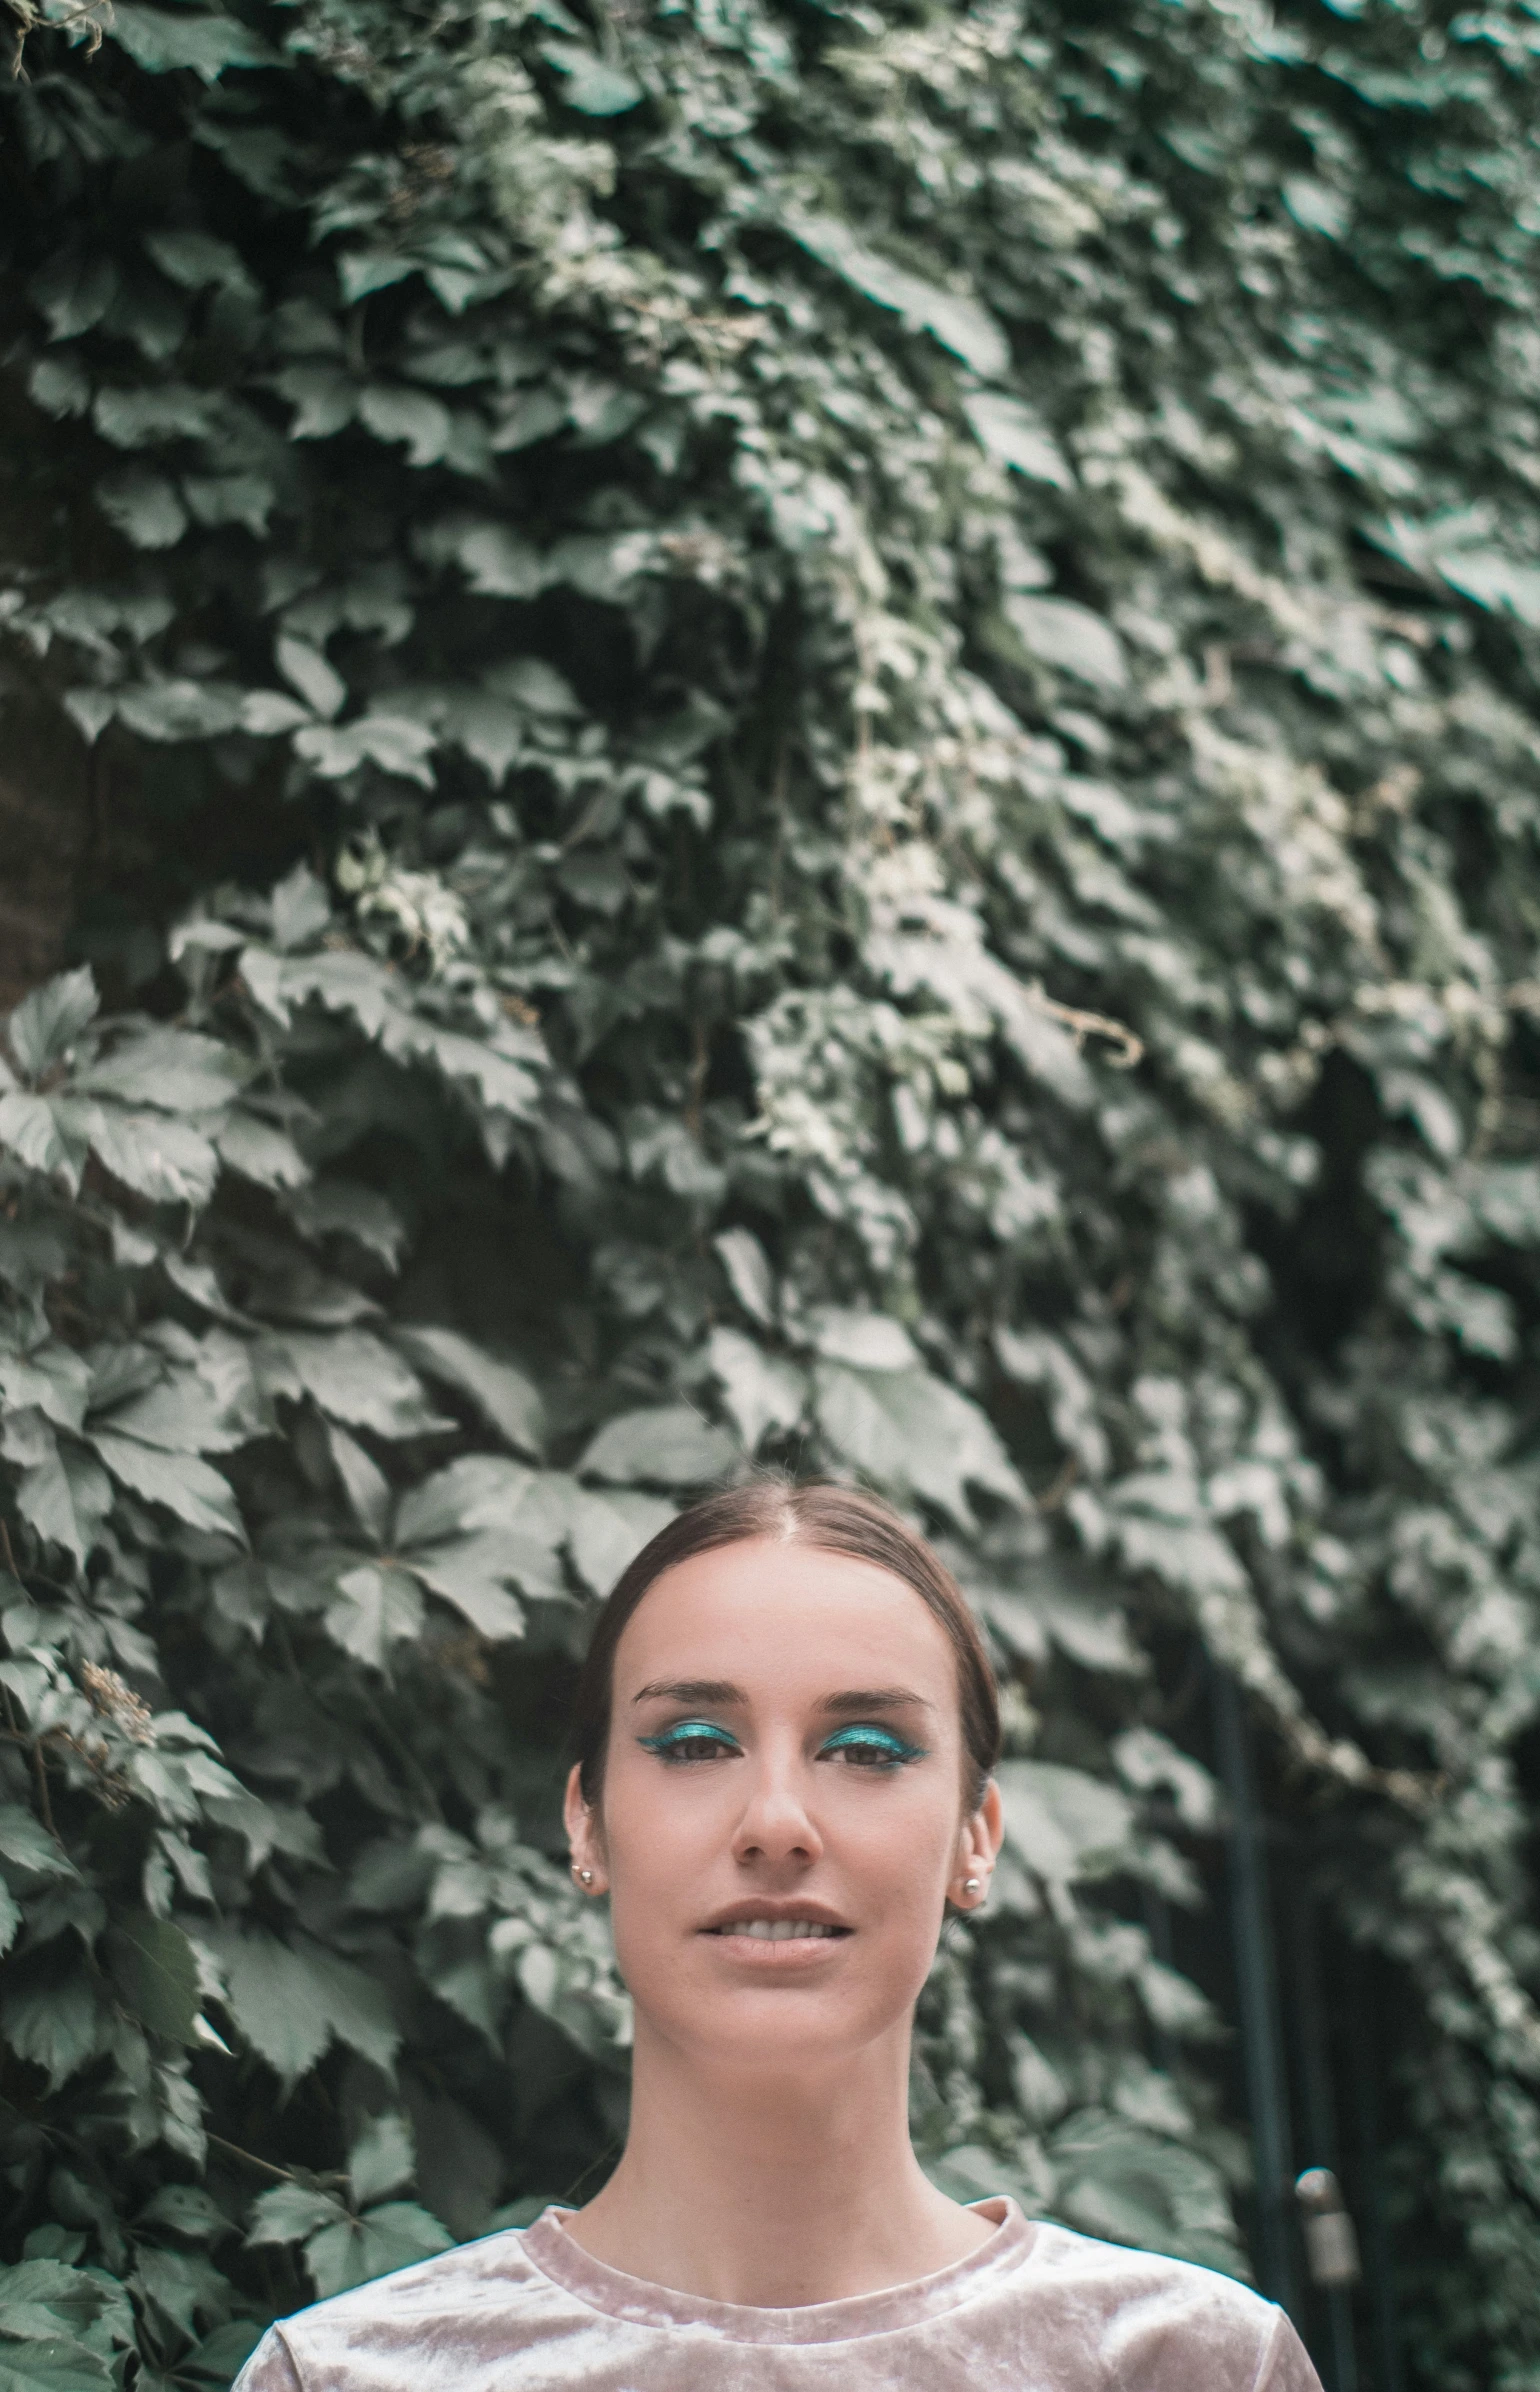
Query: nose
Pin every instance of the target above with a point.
(775, 1824)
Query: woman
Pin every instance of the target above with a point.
(786, 1727)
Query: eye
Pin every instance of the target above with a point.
(866, 1746)
(691, 1740)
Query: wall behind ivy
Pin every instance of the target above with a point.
(774, 731)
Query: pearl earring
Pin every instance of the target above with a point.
(971, 1885)
(583, 1876)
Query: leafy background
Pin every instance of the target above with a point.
(734, 729)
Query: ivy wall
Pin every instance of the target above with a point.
(757, 729)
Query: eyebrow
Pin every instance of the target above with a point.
(873, 1698)
(721, 1691)
(690, 1690)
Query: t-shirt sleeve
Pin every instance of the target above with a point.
(270, 2368)
(1285, 2364)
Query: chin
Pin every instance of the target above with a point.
(763, 2015)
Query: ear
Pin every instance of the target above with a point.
(584, 1839)
(978, 1848)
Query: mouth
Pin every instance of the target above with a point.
(763, 1930)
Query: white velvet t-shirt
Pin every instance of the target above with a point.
(1034, 2309)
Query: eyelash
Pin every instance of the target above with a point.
(670, 1743)
(886, 1750)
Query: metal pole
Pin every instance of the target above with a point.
(1256, 1986)
(1382, 2288)
(1319, 2111)
(1157, 1920)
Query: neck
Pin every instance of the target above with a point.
(772, 2190)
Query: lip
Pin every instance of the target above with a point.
(817, 1914)
(725, 1931)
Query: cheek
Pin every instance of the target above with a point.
(659, 1834)
(905, 1845)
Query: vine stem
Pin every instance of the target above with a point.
(264, 2167)
(39, 1765)
(45, 1804)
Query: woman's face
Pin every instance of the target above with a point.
(781, 1822)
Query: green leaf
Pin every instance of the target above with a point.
(914, 1435)
(392, 741)
(1010, 432)
(268, 714)
(152, 416)
(354, 1378)
(155, 1974)
(55, 1379)
(258, 1151)
(503, 1396)
(748, 1272)
(53, 2022)
(374, 1609)
(593, 85)
(46, 1024)
(302, 908)
(195, 259)
(960, 324)
(1146, 1759)
(1070, 637)
(364, 1483)
(473, 1573)
(177, 1071)
(221, 2356)
(530, 682)
(74, 290)
(183, 1484)
(60, 386)
(1064, 1824)
(491, 556)
(165, 1160)
(866, 1340)
(362, 271)
(180, 709)
(66, 1498)
(322, 689)
(187, 2210)
(58, 2366)
(667, 1445)
(162, 41)
(30, 1126)
(143, 506)
(26, 1842)
(382, 2160)
(607, 1531)
(490, 731)
(290, 2000)
(324, 399)
(409, 416)
(382, 2240)
(288, 2212)
(244, 498)
(762, 1392)
(477, 1491)
(1125, 2185)
(44, 2298)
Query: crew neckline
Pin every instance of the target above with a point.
(633, 2299)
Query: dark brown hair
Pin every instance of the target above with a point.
(831, 1520)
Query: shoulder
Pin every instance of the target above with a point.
(1160, 2323)
(466, 2305)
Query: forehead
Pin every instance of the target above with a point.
(781, 1618)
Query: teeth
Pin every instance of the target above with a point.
(778, 1930)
